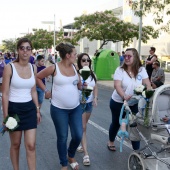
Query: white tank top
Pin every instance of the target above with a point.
(20, 89)
(65, 93)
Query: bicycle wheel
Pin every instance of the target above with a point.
(135, 162)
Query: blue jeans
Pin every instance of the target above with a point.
(88, 107)
(63, 118)
(115, 108)
(40, 94)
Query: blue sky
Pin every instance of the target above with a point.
(19, 16)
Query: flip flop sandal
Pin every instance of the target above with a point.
(86, 160)
(74, 165)
(111, 147)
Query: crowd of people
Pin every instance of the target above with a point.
(25, 98)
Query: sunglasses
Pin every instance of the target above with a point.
(127, 56)
(85, 60)
(22, 48)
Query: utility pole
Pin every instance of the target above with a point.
(140, 28)
(54, 34)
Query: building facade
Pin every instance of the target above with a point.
(122, 9)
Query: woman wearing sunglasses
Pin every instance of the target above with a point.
(126, 78)
(19, 97)
(84, 60)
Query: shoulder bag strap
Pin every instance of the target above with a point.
(53, 77)
(11, 73)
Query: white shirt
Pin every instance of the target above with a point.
(65, 93)
(20, 89)
(128, 83)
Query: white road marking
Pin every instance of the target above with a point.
(107, 133)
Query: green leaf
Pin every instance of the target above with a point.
(17, 118)
(85, 74)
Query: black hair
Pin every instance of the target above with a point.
(23, 40)
(39, 57)
(80, 56)
(157, 63)
(20, 41)
(153, 49)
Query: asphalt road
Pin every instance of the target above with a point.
(97, 137)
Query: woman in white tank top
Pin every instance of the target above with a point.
(19, 97)
(65, 106)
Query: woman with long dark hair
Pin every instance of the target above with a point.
(19, 97)
(84, 60)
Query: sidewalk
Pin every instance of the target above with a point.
(106, 84)
(110, 83)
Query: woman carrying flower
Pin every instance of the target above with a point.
(84, 60)
(19, 97)
(126, 78)
(65, 105)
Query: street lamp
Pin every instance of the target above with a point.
(51, 22)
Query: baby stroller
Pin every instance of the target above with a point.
(154, 154)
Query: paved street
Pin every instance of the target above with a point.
(97, 136)
(47, 157)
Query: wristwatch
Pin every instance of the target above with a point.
(46, 90)
(95, 97)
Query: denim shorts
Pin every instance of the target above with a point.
(88, 107)
(40, 94)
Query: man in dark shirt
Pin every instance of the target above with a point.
(149, 61)
(40, 66)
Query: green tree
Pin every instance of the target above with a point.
(61, 38)
(158, 8)
(106, 27)
(9, 45)
(41, 38)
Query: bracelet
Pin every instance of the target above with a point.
(46, 90)
(123, 97)
(38, 107)
(95, 97)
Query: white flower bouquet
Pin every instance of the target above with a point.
(9, 124)
(139, 89)
(86, 91)
(146, 94)
(85, 72)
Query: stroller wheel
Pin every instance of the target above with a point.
(135, 162)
